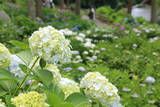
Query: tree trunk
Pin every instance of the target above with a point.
(39, 5)
(78, 7)
(129, 6)
(61, 3)
(67, 3)
(31, 9)
(153, 11)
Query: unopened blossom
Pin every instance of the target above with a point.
(5, 56)
(68, 86)
(50, 44)
(99, 88)
(30, 99)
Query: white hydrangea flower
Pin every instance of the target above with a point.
(55, 71)
(99, 88)
(75, 52)
(80, 39)
(68, 69)
(5, 56)
(50, 44)
(81, 69)
(82, 35)
(68, 86)
(150, 80)
(89, 45)
(14, 66)
(2, 104)
(30, 99)
(66, 32)
(85, 52)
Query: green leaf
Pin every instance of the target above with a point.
(57, 91)
(77, 99)
(19, 44)
(8, 100)
(25, 56)
(2, 92)
(8, 82)
(44, 76)
(42, 63)
(23, 67)
(53, 100)
(65, 104)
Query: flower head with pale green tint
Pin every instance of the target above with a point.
(55, 71)
(5, 56)
(30, 99)
(68, 86)
(99, 88)
(50, 44)
(2, 104)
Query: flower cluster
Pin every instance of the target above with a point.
(99, 88)
(55, 71)
(4, 56)
(2, 104)
(50, 44)
(66, 32)
(68, 86)
(14, 66)
(30, 99)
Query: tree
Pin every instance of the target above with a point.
(67, 3)
(39, 5)
(153, 11)
(61, 3)
(129, 6)
(31, 9)
(78, 7)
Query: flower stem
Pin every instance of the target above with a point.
(25, 78)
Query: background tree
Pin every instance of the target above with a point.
(129, 6)
(39, 5)
(153, 11)
(31, 9)
(78, 7)
(61, 3)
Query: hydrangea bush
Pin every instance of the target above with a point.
(36, 80)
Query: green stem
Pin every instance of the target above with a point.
(25, 78)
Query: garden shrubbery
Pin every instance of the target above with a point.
(126, 54)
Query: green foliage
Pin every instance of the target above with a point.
(62, 19)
